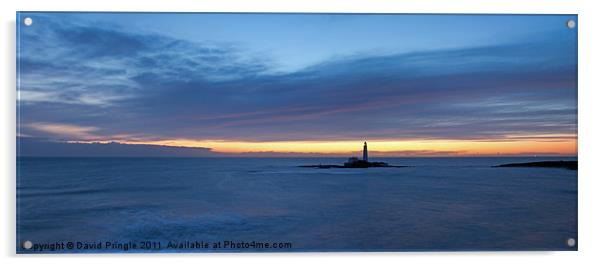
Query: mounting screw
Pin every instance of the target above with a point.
(27, 244)
(571, 242)
(28, 21)
(571, 24)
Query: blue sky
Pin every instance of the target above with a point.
(296, 77)
(294, 41)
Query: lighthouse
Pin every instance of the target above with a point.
(354, 162)
(365, 157)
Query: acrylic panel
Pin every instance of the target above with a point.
(293, 132)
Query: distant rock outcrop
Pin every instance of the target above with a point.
(572, 165)
(354, 162)
(45, 148)
(358, 165)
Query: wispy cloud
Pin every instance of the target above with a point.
(66, 130)
(82, 81)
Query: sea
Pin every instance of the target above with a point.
(100, 205)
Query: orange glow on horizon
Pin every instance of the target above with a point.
(561, 145)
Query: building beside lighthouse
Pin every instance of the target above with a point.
(354, 162)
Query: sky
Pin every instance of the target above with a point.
(294, 84)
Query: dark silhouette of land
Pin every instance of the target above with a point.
(354, 162)
(45, 148)
(572, 165)
(358, 164)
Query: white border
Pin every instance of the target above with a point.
(590, 220)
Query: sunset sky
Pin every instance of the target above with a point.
(410, 85)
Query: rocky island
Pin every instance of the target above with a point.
(354, 162)
(571, 165)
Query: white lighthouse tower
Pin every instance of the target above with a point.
(365, 157)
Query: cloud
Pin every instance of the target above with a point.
(65, 130)
(89, 64)
(45, 148)
(69, 132)
(114, 81)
